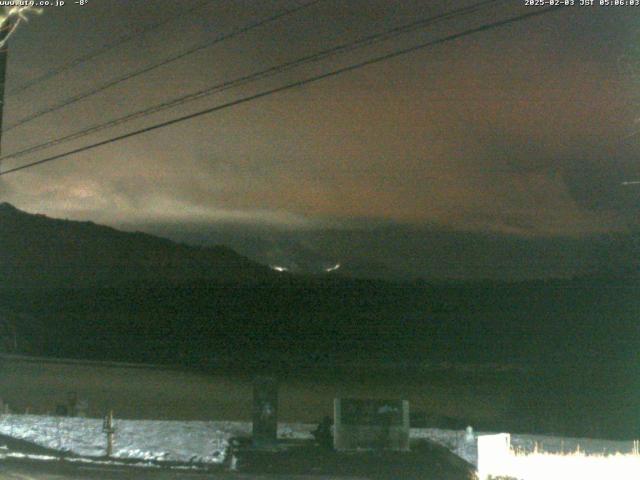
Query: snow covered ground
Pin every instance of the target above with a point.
(200, 442)
(206, 442)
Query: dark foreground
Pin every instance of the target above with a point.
(425, 461)
(305, 461)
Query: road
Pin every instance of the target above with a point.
(49, 471)
(23, 470)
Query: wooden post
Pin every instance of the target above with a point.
(107, 427)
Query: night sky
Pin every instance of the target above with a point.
(525, 131)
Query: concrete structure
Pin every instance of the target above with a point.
(265, 412)
(371, 424)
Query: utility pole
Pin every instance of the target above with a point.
(4, 53)
(9, 21)
(5, 31)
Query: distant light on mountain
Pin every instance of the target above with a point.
(279, 268)
(333, 269)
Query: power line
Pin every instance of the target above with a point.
(289, 86)
(76, 62)
(190, 51)
(269, 72)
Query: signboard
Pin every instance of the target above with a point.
(371, 424)
(265, 412)
(372, 412)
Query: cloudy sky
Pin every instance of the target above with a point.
(525, 130)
